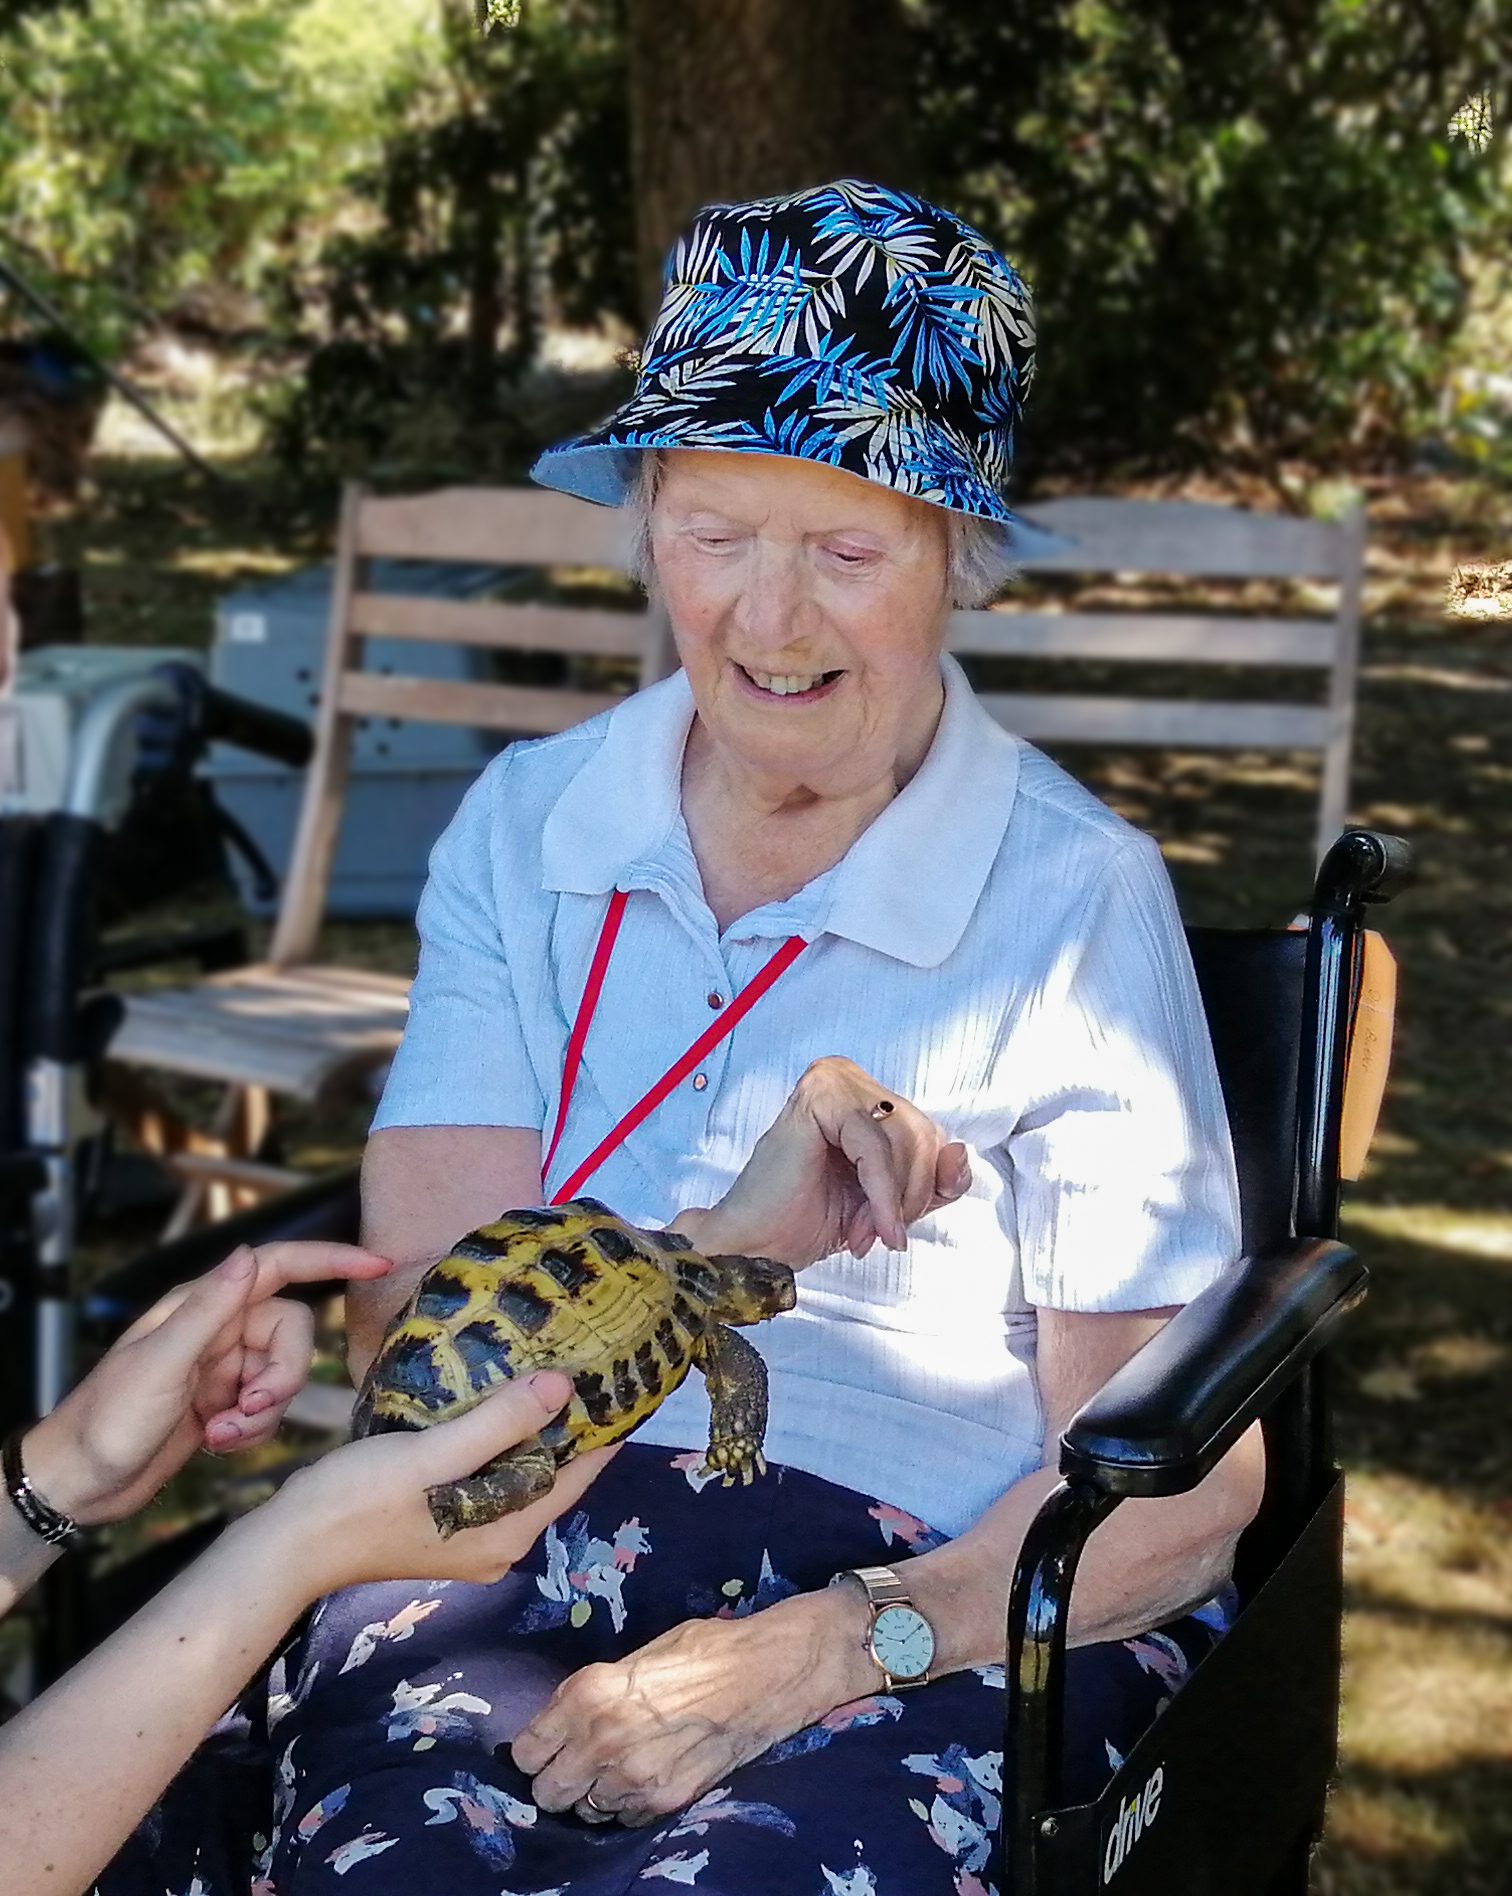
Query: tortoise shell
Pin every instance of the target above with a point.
(625, 1312)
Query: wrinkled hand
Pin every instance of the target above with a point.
(360, 1513)
(831, 1174)
(650, 1733)
(214, 1364)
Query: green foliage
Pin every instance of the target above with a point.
(502, 198)
(1248, 227)
(1255, 231)
(350, 53)
(152, 146)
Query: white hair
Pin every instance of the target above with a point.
(979, 559)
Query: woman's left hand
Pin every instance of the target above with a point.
(647, 1735)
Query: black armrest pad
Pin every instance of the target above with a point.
(328, 1207)
(1175, 1408)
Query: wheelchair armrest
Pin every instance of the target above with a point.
(1163, 1420)
(328, 1207)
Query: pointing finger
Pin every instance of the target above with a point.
(313, 1261)
(175, 1341)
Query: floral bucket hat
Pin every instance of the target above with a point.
(848, 324)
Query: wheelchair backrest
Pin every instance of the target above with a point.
(1252, 981)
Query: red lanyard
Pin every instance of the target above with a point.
(647, 1104)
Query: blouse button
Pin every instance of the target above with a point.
(700, 1081)
(716, 999)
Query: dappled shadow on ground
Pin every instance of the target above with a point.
(1394, 1832)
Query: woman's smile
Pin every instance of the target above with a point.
(785, 687)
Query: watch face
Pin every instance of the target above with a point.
(902, 1642)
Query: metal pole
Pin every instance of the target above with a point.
(126, 390)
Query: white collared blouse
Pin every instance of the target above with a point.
(998, 946)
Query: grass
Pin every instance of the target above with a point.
(1424, 1803)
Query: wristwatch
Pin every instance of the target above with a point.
(900, 1640)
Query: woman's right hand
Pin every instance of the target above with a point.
(360, 1513)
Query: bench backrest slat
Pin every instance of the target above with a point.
(525, 527)
(1188, 539)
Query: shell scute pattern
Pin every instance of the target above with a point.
(625, 1312)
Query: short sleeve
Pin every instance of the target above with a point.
(1122, 1165)
(463, 1059)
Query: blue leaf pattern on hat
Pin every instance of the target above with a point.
(852, 325)
(936, 323)
(837, 365)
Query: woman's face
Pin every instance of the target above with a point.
(808, 606)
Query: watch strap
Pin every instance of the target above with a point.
(883, 1587)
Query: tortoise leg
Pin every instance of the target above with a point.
(509, 1482)
(737, 1382)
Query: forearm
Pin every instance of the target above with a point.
(23, 1557)
(423, 1187)
(1149, 1562)
(81, 1766)
(1145, 1565)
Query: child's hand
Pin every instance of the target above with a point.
(360, 1513)
(214, 1364)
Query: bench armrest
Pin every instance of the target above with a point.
(1162, 1421)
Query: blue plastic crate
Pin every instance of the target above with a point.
(406, 778)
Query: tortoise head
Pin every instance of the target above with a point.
(751, 1288)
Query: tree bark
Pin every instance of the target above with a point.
(735, 99)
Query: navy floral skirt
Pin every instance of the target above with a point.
(390, 1722)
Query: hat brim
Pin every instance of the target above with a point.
(600, 466)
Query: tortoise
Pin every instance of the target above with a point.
(624, 1312)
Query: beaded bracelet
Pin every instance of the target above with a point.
(44, 1520)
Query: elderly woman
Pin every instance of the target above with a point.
(800, 954)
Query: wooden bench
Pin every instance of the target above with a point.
(291, 1026)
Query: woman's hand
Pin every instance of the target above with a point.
(360, 1513)
(649, 1734)
(213, 1364)
(834, 1171)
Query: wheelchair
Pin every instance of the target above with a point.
(130, 827)
(1281, 1005)
(1225, 1794)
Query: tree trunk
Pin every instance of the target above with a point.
(733, 99)
(485, 295)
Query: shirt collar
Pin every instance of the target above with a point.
(907, 886)
(621, 807)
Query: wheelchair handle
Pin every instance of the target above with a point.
(257, 728)
(209, 714)
(1362, 866)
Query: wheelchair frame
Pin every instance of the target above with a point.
(1265, 1700)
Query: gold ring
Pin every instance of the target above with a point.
(882, 1108)
(597, 1809)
